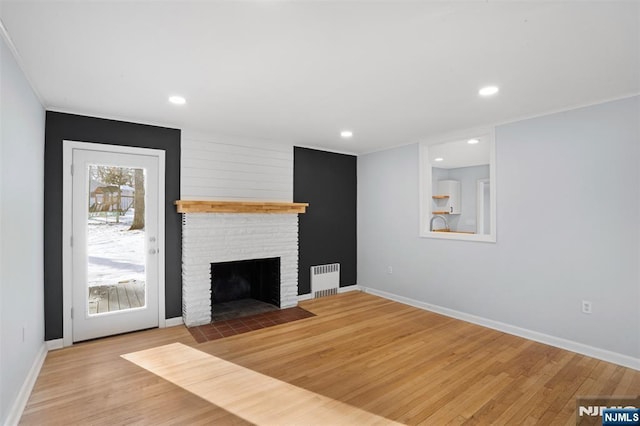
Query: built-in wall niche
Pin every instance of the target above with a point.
(457, 187)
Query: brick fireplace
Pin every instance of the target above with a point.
(212, 237)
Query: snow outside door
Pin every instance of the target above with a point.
(115, 223)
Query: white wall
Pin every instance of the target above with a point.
(21, 231)
(568, 230)
(225, 168)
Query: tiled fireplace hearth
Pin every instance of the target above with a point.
(223, 237)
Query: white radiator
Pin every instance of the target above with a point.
(325, 280)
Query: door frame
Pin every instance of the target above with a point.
(67, 225)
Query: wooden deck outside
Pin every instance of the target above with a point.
(109, 298)
(383, 357)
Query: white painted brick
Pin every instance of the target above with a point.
(221, 237)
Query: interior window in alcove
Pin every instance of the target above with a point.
(458, 188)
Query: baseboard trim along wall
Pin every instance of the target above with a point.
(54, 344)
(16, 410)
(173, 322)
(344, 289)
(601, 354)
(349, 288)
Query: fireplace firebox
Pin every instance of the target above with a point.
(257, 279)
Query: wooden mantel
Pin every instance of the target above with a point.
(215, 206)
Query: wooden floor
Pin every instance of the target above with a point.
(236, 389)
(388, 359)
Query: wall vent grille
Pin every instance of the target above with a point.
(325, 280)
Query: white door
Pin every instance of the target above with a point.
(115, 241)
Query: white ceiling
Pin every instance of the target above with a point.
(394, 72)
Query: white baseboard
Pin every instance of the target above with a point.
(17, 408)
(173, 322)
(54, 344)
(348, 288)
(558, 342)
(344, 289)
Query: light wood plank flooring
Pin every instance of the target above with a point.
(237, 389)
(389, 359)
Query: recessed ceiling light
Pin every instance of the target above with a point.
(438, 159)
(178, 100)
(488, 91)
(346, 134)
(473, 141)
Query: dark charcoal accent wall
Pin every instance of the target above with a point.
(59, 127)
(327, 232)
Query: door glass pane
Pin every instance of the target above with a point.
(116, 239)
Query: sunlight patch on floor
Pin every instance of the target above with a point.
(253, 396)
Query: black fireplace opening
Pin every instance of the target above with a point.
(244, 287)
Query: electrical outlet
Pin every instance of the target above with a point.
(586, 307)
(389, 269)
